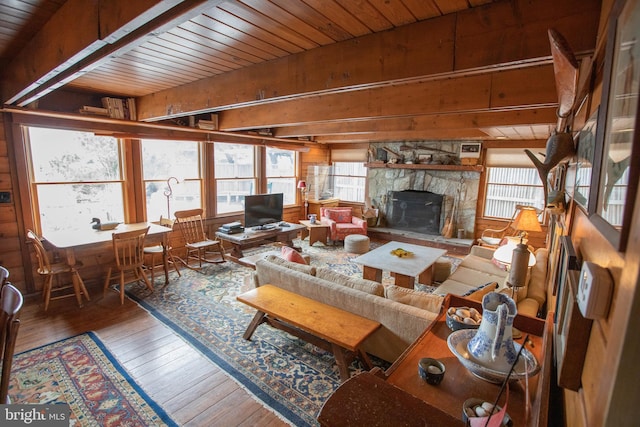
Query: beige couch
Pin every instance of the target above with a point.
(402, 322)
(477, 269)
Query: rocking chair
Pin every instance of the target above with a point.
(199, 246)
(493, 237)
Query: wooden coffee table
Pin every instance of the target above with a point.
(320, 324)
(419, 264)
(318, 232)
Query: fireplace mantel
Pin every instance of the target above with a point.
(474, 168)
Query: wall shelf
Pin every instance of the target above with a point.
(474, 168)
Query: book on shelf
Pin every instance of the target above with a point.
(88, 109)
(120, 108)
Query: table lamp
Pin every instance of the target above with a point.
(515, 255)
(302, 185)
(526, 220)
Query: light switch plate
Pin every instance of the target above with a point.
(594, 291)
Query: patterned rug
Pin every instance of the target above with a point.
(80, 372)
(287, 374)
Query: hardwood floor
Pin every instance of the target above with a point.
(193, 390)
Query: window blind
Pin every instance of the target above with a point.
(510, 157)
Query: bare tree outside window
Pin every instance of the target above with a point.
(75, 176)
(175, 160)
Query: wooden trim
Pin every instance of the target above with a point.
(132, 129)
(476, 168)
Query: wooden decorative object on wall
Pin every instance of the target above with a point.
(571, 330)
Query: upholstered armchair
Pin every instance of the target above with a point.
(342, 223)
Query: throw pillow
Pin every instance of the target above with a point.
(363, 285)
(339, 215)
(423, 300)
(476, 294)
(292, 255)
(303, 268)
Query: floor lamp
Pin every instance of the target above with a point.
(169, 192)
(302, 185)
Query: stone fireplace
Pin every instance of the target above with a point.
(418, 198)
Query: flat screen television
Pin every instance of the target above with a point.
(263, 210)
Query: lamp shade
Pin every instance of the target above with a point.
(527, 220)
(302, 184)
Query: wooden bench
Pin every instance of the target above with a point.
(322, 325)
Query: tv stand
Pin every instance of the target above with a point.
(252, 238)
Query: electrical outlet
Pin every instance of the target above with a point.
(594, 291)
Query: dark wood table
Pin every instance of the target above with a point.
(325, 326)
(252, 238)
(405, 386)
(460, 384)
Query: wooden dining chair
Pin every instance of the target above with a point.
(155, 251)
(199, 246)
(10, 304)
(49, 270)
(128, 249)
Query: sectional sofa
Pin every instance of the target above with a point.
(477, 269)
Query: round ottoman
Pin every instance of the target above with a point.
(356, 243)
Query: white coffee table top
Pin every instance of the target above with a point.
(381, 258)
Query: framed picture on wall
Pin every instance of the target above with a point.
(585, 152)
(613, 188)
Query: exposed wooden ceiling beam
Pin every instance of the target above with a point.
(83, 35)
(410, 135)
(500, 90)
(530, 116)
(502, 34)
(129, 129)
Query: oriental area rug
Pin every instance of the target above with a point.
(81, 372)
(287, 374)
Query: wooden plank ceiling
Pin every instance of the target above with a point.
(330, 71)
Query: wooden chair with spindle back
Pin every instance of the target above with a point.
(49, 270)
(128, 249)
(199, 246)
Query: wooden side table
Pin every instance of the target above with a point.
(459, 384)
(317, 232)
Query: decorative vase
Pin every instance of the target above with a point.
(312, 218)
(492, 346)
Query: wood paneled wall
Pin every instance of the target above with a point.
(609, 393)
(10, 253)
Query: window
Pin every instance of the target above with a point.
(349, 180)
(75, 176)
(235, 175)
(509, 186)
(281, 173)
(172, 177)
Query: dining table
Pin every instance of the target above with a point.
(71, 242)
